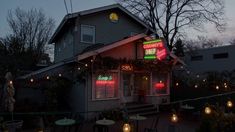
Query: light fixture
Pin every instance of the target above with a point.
(48, 77)
(207, 110)
(225, 84)
(204, 80)
(217, 87)
(31, 80)
(79, 68)
(11, 82)
(91, 60)
(195, 86)
(86, 65)
(126, 127)
(198, 76)
(174, 118)
(229, 104)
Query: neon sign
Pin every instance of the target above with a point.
(102, 80)
(126, 67)
(159, 85)
(154, 50)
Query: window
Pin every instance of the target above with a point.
(106, 85)
(159, 83)
(87, 34)
(220, 56)
(196, 58)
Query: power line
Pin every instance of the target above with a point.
(71, 4)
(65, 6)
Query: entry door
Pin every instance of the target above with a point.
(127, 84)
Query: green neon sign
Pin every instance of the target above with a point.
(149, 57)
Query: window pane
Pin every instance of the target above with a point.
(87, 34)
(106, 85)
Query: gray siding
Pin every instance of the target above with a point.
(107, 31)
(208, 63)
(64, 46)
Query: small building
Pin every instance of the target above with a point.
(112, 58)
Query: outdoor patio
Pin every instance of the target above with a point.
(164, 125)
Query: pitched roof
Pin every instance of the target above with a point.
(69, 17)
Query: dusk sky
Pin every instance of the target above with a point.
(56, 10)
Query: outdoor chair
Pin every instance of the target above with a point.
(153, 127)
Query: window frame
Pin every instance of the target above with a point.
(93, 33)
(116, 94)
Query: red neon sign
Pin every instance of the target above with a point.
(159, 85)
(161, 54)
(103, 82)
(154, 45)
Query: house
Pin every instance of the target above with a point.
(111, 57)
(211, 59)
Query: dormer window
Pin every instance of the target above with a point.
(88, 34)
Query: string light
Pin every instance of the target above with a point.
(177, 84)
(225, 86)
(86, 65)
(198, 76)
(207, 110)
(48, 77)
(229, 104)
(31, 80)
(195, 86)
(91, 60)
(79, 68)
(204, 80)
(217, 87)
(11, 82)
(60, 74)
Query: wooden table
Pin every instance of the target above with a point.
(65, 123)
(137, 118)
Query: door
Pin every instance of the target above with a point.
(127, 84)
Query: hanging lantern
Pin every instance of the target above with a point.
(229, 104)
(207, 110)
(126, 127)
(174, 118)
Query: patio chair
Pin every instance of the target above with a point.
(154, 124)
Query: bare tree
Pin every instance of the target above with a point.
(170, 18)
(31, 31)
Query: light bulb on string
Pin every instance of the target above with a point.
(229, 104)
(177, 84)
(11, 82)
(31, 80)
(207, 110)
(217, 87)
(195, 86)
(86, 65)
(92, 60)
(60, 75)
(204, 80)
(198, 76)
(225, 86)
(48, 77)
(79, 68)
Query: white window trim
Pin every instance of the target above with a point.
(93, 41)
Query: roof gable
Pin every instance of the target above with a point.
(70, 17)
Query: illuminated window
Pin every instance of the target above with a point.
(88, 34)
(106, 85)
